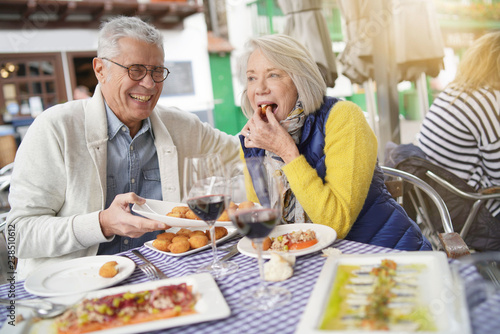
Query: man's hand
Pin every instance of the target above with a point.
(118, 220)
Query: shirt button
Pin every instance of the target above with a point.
(123, 129)
(171, 189)
(278, 172)
(132, 181)
(125, 241)
(169, 151)
(131, 147)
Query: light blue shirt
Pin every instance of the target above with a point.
(132, 166)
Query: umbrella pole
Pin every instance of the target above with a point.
(423, 97)
(385, 71)
(371, 108)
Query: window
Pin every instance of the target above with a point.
(30, 77)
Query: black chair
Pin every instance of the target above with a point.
(477, 227)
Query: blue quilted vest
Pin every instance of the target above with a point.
(382, 221)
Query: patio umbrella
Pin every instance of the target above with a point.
(389, 41)
(412, 25)
(358, 53)
(306, 23)
(418, 41)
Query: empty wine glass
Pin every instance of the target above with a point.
(256, 223)
(207, 189)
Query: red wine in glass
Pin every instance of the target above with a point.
(207, 193)
(256, 224)
(207, 208)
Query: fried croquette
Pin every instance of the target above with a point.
(184, 231)
(191, 215)
(109, 269)
(198, 240)
(166, 236)
(266, 244)
(224, 217)
(180, 209)
(180, 237)
(263, 109)
(220, 232)
(245, 205)
(199, 232)
(162, 244)
(179, 246)
(175, 215)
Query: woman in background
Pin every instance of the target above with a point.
(461, 131)
(322, 147)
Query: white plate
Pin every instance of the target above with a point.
(76, 276)
(230, 232)
(325, 235)
(211, 305)
(444, 296)
(161, 208)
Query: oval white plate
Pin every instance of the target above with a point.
(230, 232)
(210, 306)
(161, 208)
(76, 276)
(325, 235)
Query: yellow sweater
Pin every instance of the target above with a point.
(350, 158)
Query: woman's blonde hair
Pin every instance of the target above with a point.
(288, 55)
(480, 65)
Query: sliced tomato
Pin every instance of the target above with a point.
(303, 244)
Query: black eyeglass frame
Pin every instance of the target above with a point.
(145, 73)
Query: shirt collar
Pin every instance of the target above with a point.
(114, 124)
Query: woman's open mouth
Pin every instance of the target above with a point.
(272, 105)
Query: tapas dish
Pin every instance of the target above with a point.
(121, 310)
(394, 292)
(324, 236)
(194, 240)
(77, 275)
(159, 210)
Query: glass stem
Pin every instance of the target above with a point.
(260, 260)
(215, 260)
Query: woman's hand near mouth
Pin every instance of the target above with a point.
(268, 134)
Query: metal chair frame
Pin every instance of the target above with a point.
(478, 198)
(449, 240)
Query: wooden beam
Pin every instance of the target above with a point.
(89, 13)
(30, 9)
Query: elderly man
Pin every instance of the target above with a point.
(83, 163)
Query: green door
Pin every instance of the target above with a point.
(227, 116)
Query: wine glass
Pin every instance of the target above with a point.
(206, 191)
(256, 223)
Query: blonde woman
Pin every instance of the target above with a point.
(322, 147)
(461, 131)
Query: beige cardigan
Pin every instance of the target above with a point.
(58, 184)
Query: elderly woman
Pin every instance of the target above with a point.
(322, 147)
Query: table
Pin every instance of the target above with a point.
(485, 315)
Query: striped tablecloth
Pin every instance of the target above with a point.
(485, 316)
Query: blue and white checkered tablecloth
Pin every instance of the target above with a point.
(485, 317)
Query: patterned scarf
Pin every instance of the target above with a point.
(292, 210)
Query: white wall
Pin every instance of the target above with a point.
(189, 44)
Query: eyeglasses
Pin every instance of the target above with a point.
(137, 72)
